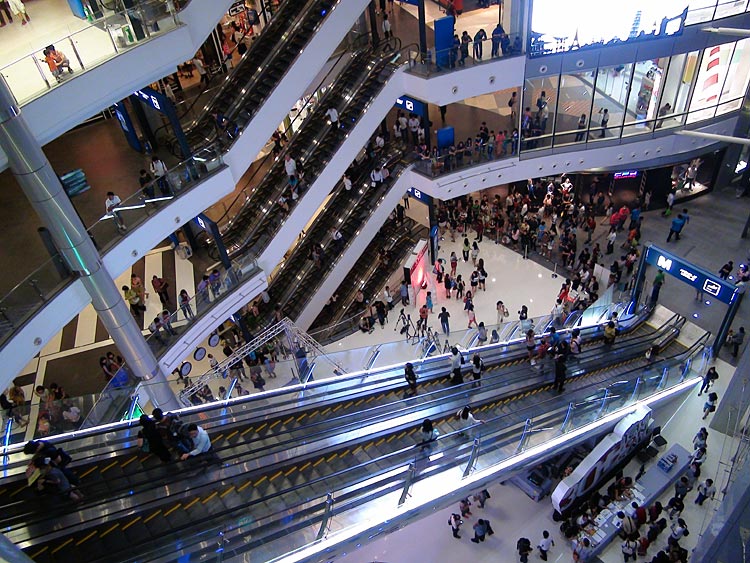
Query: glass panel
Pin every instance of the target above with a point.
(611, 96)
(539, 106)
(713, 70)
(25, 77)
(575, 102)
(644, 95)
(700, 11)
(674, 97)
(726, 8)
(737, 79)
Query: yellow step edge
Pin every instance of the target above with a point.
(131, 460)
(225, 493)
(131, 523)
(110, 529)
(245, 486)
(307, 464)
(153, 515)
(275, 475)
(61, 546)
(259, 481)
(107, 468)
(191, 503)
(289, 471)
(210, 497)
(171, 510)
(87, 538)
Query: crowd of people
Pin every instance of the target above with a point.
(57, 412)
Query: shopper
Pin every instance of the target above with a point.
(710, 376)
(710, 405)
(137, 308)
(110, 205)
(201, 445)
(482, 529)
(706, 490)
(455, 523)
(159, 171)
(544, 545)
(411, 377)
(444, 315)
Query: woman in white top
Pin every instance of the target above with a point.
(467, 421)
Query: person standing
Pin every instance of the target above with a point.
(482, 528)
(4, 8)
(404, 292)
(411, 377)
(604, 122)
(110, 205)
(386, 27)
(137, 308)
(150, 440)
(160, 287)
(678, 223)
(705, 490)
(202, 71)
(629, 549)
(201, 447)
(581, 128)
(187, 310)
(455, 523)
(502, 312)
(658, 283)
(497, 36)
(560, 356)
(444, 315)
(159, 170)
(333, 116)
(479, 37)
(456, 361)
(18, 9)
(737, 339)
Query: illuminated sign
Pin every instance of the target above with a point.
(419, 195)
(699, 278)
(410, 104)
(201, 223)
(626, 174)
(665, 263)
(711, 287)
(237, 8)
(151, 98)
(689, 275)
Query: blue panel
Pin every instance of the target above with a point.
(76, 6)
(701, 279)
(445, 137)
(411, 105)
(444, 31)
(121, 111)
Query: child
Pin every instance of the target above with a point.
(544, 545)
(428, 301)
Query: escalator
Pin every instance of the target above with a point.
(312, 147)
(260, 70)
(298, 276)
(372, 275)
(133, 503)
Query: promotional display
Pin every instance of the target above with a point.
(597, 23)
(613, 449)
(415, 268)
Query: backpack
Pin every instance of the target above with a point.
(523, 545)
(510, 103)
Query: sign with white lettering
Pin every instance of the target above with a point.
(699, 278)
(411, 105)
(608, 453)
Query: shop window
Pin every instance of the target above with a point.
(611, 93)
(538, 112)
(711, 75)
(737, 79)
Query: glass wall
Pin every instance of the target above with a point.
(706, 10)
(634, 98)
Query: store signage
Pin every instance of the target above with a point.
(151, 97)
(626, 174)
(700, 279)
(237, 8)
(410, 104)
(419, 195)
(610, 452)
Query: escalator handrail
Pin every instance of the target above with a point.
(311, 149)
(353, 206)
(355, 377)
(300, 111)
(390, 415)
(376, 463)
(289, 31)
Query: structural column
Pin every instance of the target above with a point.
(45, 192)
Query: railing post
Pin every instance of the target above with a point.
(685, 370)
(35, 285)
(472, 458)
(6, 439)
(663, 380)
(407, 483)
(568, 418)
(326, 517)
(603, 407)
(41, 72)
(634, 396)
(75, 51)
(525, 436)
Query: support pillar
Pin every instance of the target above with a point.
(422, 30)
(372, 16)
(42, 187)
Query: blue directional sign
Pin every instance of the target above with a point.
(701, 279)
